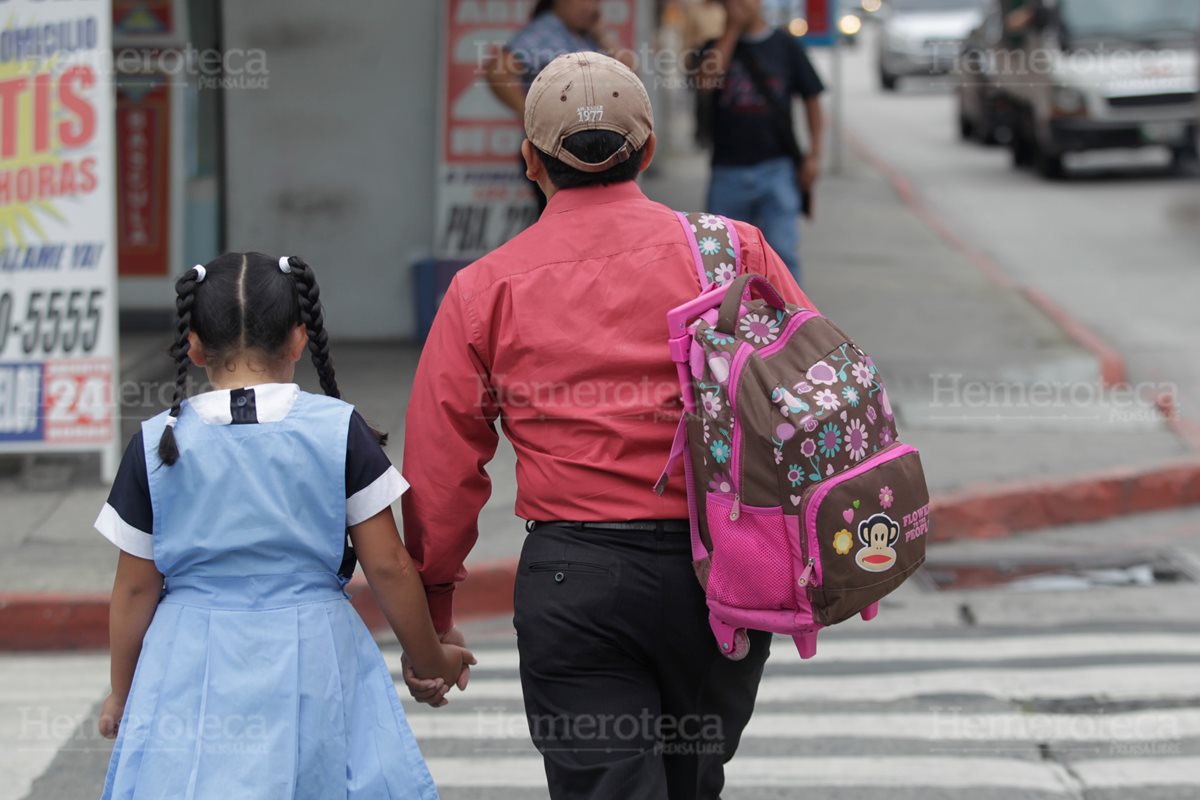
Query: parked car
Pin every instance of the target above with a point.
(1107, 74)
(984, 111)
(923, 37)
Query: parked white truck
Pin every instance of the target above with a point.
(1100, 74)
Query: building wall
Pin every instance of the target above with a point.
(334, 160)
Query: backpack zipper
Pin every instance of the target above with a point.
(807, 573)
(815, 495)
(740, 358)
(735, 375)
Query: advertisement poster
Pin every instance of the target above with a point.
(58, 326)
(483, 197)
(143, 130)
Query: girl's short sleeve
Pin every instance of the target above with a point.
(127, 519)
(372, 483)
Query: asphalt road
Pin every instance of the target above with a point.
(1117, 244)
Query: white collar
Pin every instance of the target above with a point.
(272, 401)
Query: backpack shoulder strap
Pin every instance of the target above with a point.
(716, 251)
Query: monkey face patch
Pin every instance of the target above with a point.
(877, 535)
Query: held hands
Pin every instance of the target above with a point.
(456, 671)
(110, 716)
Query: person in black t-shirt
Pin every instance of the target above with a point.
(755, 175)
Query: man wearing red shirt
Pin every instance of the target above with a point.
(560, 335)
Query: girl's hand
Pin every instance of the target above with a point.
(457, 661)
(110, 716)
(433, 691)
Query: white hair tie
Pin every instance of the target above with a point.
(284, 264)
(201, 273)
(171, 421)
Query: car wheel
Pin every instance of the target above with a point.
(1022, 150)
(1047, 163)
(985, 132)
(1022, 143)
(966, 129)
(1184, 158)
(887, 81)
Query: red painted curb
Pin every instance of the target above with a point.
(487, 592)
(63, 621)
(35, 621)
(1112, 363)
(1002, 510)
(53, 621)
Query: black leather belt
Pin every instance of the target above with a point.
(641, 525)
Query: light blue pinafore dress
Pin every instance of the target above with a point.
(257, 679)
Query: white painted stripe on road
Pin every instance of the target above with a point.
(43, 699)
(968, 649)
(1126, 773)
(1133, 682)
(887, 772)
(957, 727)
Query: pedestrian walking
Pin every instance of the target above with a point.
(759, 171)
(555, 27)
(254, 675)
(561, 335)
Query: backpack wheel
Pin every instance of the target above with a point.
(733, 643)
(741, 645)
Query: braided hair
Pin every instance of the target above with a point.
(241, 302)
(313, 316)
(185, 298)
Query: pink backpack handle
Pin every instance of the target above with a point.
(731, 306)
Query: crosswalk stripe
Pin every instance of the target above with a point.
(42, 700)
(1123, 773)
(909, 772)
(931, 772)
(967, 649)
(950, 726)
(1132, 682)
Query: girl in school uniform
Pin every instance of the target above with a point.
(254, 675)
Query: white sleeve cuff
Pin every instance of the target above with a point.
(366, 503)
(123, 535)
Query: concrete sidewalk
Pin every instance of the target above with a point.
(933, 321)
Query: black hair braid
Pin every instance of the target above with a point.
(312, 314)
(313, 317)
(185, 291)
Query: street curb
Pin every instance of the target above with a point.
(1006, 509)
(487, 592)
(53, 621)
(63, 621)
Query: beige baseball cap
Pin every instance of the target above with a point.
(587, 92)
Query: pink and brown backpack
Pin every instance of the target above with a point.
(805, 507)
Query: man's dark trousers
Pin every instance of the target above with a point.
(626, 694)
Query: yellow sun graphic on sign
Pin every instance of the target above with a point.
(18, 217)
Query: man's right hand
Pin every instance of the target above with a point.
(433, 691)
